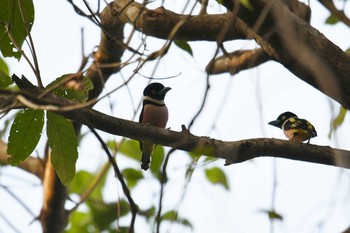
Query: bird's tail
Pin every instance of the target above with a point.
(145, 161)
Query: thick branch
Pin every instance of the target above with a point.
(107, 58)
(232, 152)
(160, 22)
(299, 47)
(237, 61)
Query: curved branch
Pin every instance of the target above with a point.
(237, 61)
(160, 22)
(232, 152)
(302, 49)
(118, 174)
(291, 41)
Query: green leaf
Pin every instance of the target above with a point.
(24, 134)
(170, 215)
(132, 176)
(194, 156)
(174, 217)
(338, 121)
(99, 217)
(3, 66)
(5, 80)
(247, 4)
(80, 95)
(184, 46)
(131, 149)
(157, 160)
(209, 159)
(272, 214)
(80, 181)
(79, 222)
(13, 27)
(64, 144)
(332, 19)
(217, 176)
(347, 51)
(112, 145)
(83, 180)
(104, 214)
(149, 213)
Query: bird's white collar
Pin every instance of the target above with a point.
(160, 102)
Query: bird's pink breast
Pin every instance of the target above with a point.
(155, 115)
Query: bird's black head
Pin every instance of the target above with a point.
(281, 119)
(156, 91)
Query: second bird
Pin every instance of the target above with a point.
(294, 128)
(154, 112)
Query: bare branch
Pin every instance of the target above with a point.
(118, 174)
(237, 61)
(232, 152)
(301, 48)
(198, 27)
(295, 44)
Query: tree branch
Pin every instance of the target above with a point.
(302, 49)
(237, 61)
(232, 152)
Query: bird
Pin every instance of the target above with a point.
(154, 112)
(294, 128)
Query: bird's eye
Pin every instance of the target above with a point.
(283, 118)
(154, 92)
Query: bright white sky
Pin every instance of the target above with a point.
(311, 198)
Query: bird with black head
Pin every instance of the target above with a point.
(154, 112)
(294, 128)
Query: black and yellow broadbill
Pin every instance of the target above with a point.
(294, 128)
(154, 112)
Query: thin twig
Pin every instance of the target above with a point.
(14, 196)
(163, 180)
(84, 196)
(8, 31)
(80, 12)
(9, 223)
(31, 46)
(133, 206)
(273, 195)
(202, 105)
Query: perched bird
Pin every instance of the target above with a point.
(294, 128)
(154, 112)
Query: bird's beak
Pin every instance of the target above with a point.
(276, 123)
(164, 90)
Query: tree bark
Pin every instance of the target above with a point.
(232, 152)
(288, 39)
